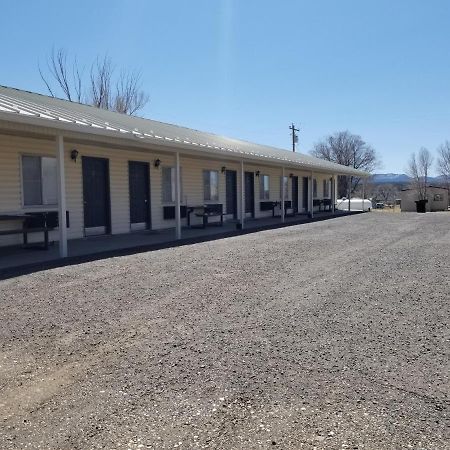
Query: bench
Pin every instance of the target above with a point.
(207, 211)
(317, 202)
(269, 205)
(288, 209)
(169, 212)
(324, 203)
(327, 204)
(39, 222)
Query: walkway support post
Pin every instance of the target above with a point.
(336, 187)
(62, 219)
(333, 193)
(177, 198)
(282, 195)
(349, 183)
(242, 195)
(363, 193)
(311, 195)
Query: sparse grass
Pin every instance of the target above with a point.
(394, 209)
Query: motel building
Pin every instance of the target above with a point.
(90, 180)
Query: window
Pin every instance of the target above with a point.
(264, 187)
(39, 181)
(211, 185)
(314, 188)
(326, 188)
(169, 175)
(284, 185)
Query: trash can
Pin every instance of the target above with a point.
(421, 206)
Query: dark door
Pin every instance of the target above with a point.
(295, 194)
(231, 186)
(139, 194)
(305, 193)
(250, 193)
(96, 195)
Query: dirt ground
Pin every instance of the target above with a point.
(329, 335)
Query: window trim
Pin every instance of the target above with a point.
(43, 206)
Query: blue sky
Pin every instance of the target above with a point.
(248, 68)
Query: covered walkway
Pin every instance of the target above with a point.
(15, 260)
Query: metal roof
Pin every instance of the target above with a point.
(37, 109)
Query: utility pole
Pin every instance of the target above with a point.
(351, 180)
(294, 136)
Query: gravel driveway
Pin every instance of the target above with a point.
(329, 335)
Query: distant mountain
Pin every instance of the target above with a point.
(400, 178)
(392, 178)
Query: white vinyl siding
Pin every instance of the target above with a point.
(39, 180)
(12, 148)
(264, 187)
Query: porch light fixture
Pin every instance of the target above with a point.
(157, 163)
(74, 155)
(223, 169)
(257, 173)
(291, 175)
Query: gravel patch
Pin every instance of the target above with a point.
(328, 335)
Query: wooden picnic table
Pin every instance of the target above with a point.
(27, 227)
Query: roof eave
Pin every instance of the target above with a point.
(60, 127)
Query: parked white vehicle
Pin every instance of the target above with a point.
(356, 204)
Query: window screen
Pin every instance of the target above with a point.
(326, 188)
(49, 181)
(211, 185)
(264, 187)
(169, 184)
(284, 185)
(31, 180)
(39, 181)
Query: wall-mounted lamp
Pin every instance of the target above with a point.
(74, 155)
(257, 173)
(157, 163)
(291, 175)
(223, 169)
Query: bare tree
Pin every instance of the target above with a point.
(100, 83)
(129, 97)
(349, 150)
(443, 162)
(418, 169)
(387, 193)
(67, 76)
(122, 93)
